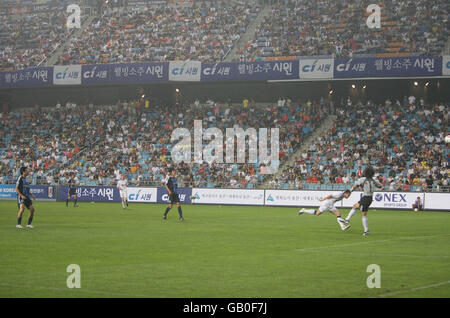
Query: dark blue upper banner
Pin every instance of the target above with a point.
(412, 66)
(40, 76)
(183, 71)
(256, 71)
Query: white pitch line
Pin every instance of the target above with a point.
(387, 254)
(414, 289)
(74, 290)
(369, 242)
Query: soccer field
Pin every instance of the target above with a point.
(220, 251)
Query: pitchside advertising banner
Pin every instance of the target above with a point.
(227, 196)
(183, 193)
(148, 195)
(41, 192)
(386, 200)
(91, 193)
(31, 77)
(437, 201)
(296, 197)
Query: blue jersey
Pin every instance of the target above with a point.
(171, 183)
(23, 186)
(71, 183)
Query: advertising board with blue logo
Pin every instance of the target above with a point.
(41, 192)
(185, 71)
(67, 75)
(184, 195)
(92, 193)
(386, 200)
(8, 191)
(316, 68)
(143, 195)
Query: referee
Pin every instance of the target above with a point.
(23, 198)
(171, 186)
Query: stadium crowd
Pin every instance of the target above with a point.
(208, 30)
(402, 140)
(26, 39)
(338, 28)
(205, 32)
(124, 138)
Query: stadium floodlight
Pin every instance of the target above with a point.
(331, 92)
(427, 83)
(416, 83)
(177, 90)
(353, 86)
(364, 86)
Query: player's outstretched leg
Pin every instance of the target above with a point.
(351, 213)
(309, 211)
(19, 216)
(340, 220)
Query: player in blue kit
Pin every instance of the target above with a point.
(171, 186)
(23, 198)
(72, 191)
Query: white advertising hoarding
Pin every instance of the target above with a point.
(296, 197)
(386, 200)
(437, 201)
(142, 194)
(228, 196)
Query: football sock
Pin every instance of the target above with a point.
(310, 211)
(365, 223)
(339, 220)
(67, 202)
(75, 203)
(30, 219)
(123, 204)
(126, 201)
(352, 212)
(180, 212)
(167, 211)
(19, 220)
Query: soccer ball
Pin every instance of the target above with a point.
(447, 139)
(415, 209)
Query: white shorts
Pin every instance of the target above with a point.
(123, 194)
(327, 206)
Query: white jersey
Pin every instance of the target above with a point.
(122, 185)
(329, 204)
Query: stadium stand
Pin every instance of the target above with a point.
(338, 28)
(402, 140)
(123, 138)
(208, 30)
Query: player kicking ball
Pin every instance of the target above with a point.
(328, 204)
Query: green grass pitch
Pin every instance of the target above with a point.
(220, 251)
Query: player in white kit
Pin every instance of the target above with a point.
(328, 204)
(122, 186)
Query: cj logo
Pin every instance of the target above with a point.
(374, 279)
(74, 279)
